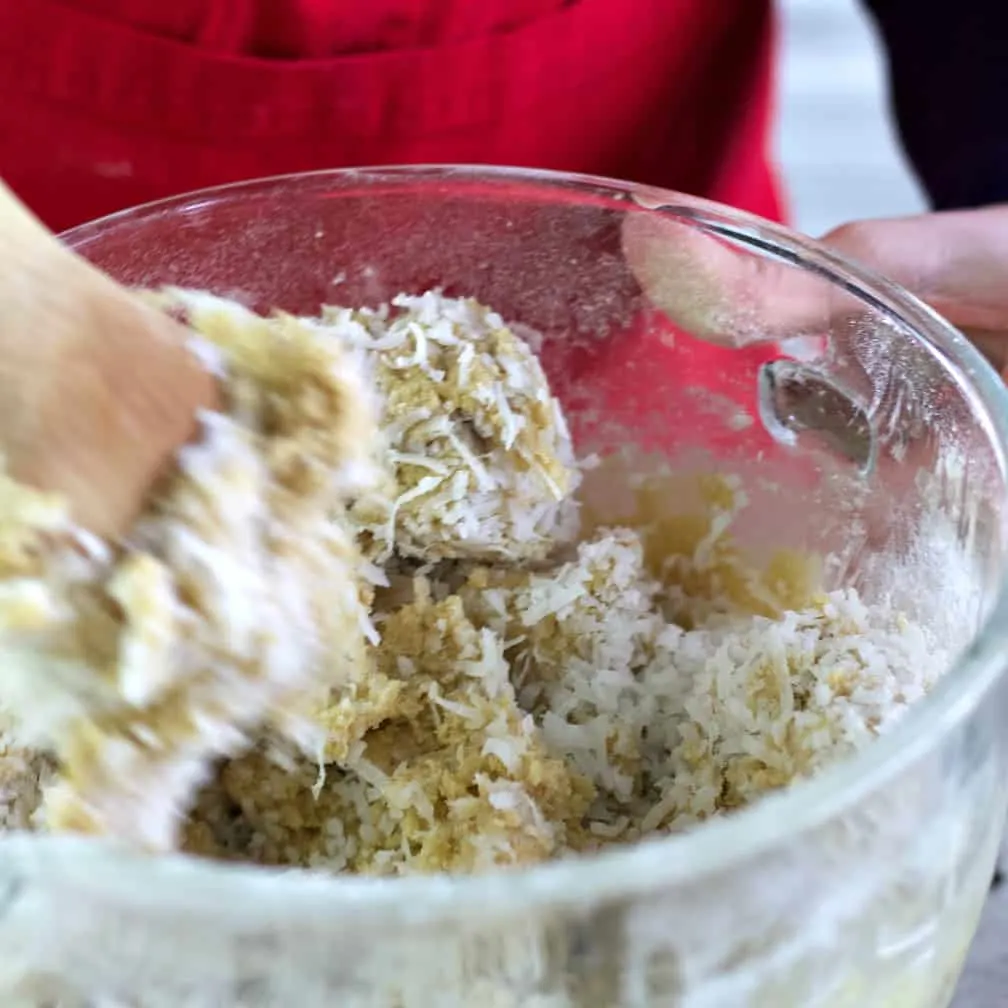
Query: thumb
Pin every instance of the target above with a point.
(957, 262)
(719, 292)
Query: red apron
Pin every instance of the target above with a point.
(110, 103)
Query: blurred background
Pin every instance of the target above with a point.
(835, 139)
(841, 160)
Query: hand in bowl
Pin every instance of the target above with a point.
(957, 262)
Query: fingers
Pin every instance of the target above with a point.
(956, 262)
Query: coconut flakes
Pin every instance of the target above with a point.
(389, 637)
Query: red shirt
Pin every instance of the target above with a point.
(105, 104)
(108, 103)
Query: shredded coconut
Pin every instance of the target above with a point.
(236, 590)
(388, 627)
(478, 457)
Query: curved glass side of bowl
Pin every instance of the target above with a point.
(862, 430)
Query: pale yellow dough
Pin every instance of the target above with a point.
(364, 626)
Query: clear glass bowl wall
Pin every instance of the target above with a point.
(862, 887)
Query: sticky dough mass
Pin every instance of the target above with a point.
(360, 628)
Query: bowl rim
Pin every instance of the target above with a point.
(649, 865)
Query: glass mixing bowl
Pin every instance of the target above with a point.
(866, 430)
